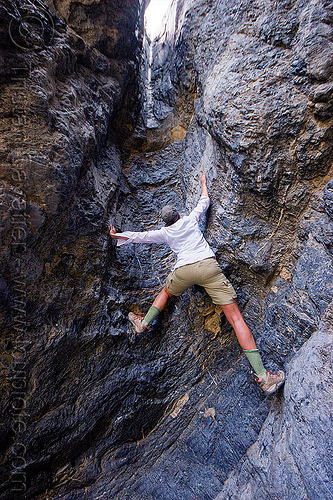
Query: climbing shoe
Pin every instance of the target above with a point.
(271, 382)
(137, 322)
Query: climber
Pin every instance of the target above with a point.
(196, 264)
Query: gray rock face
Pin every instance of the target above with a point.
(243, 92)
(292, 457)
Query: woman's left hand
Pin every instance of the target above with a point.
(112, 231)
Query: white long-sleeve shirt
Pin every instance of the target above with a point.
(184, 237)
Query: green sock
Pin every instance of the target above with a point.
(255, 361)
(151, 315)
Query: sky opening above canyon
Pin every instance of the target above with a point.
(154, 15)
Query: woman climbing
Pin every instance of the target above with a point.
(196, 264)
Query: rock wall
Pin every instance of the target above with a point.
(292, 457)
(64, 108)
(239, 90)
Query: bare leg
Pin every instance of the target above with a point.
(269, 382)
(161, 300)
(243, 333)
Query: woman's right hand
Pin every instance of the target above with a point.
(204, 190)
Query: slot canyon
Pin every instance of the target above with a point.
(100, 124)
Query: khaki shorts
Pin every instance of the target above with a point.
(206, 273)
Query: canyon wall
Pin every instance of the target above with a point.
(100, 125)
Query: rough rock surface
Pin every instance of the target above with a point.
(293, 455)
(239, 90)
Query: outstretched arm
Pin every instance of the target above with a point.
(153, 236)
(204, 201)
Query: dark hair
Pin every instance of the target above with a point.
(173, 221)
